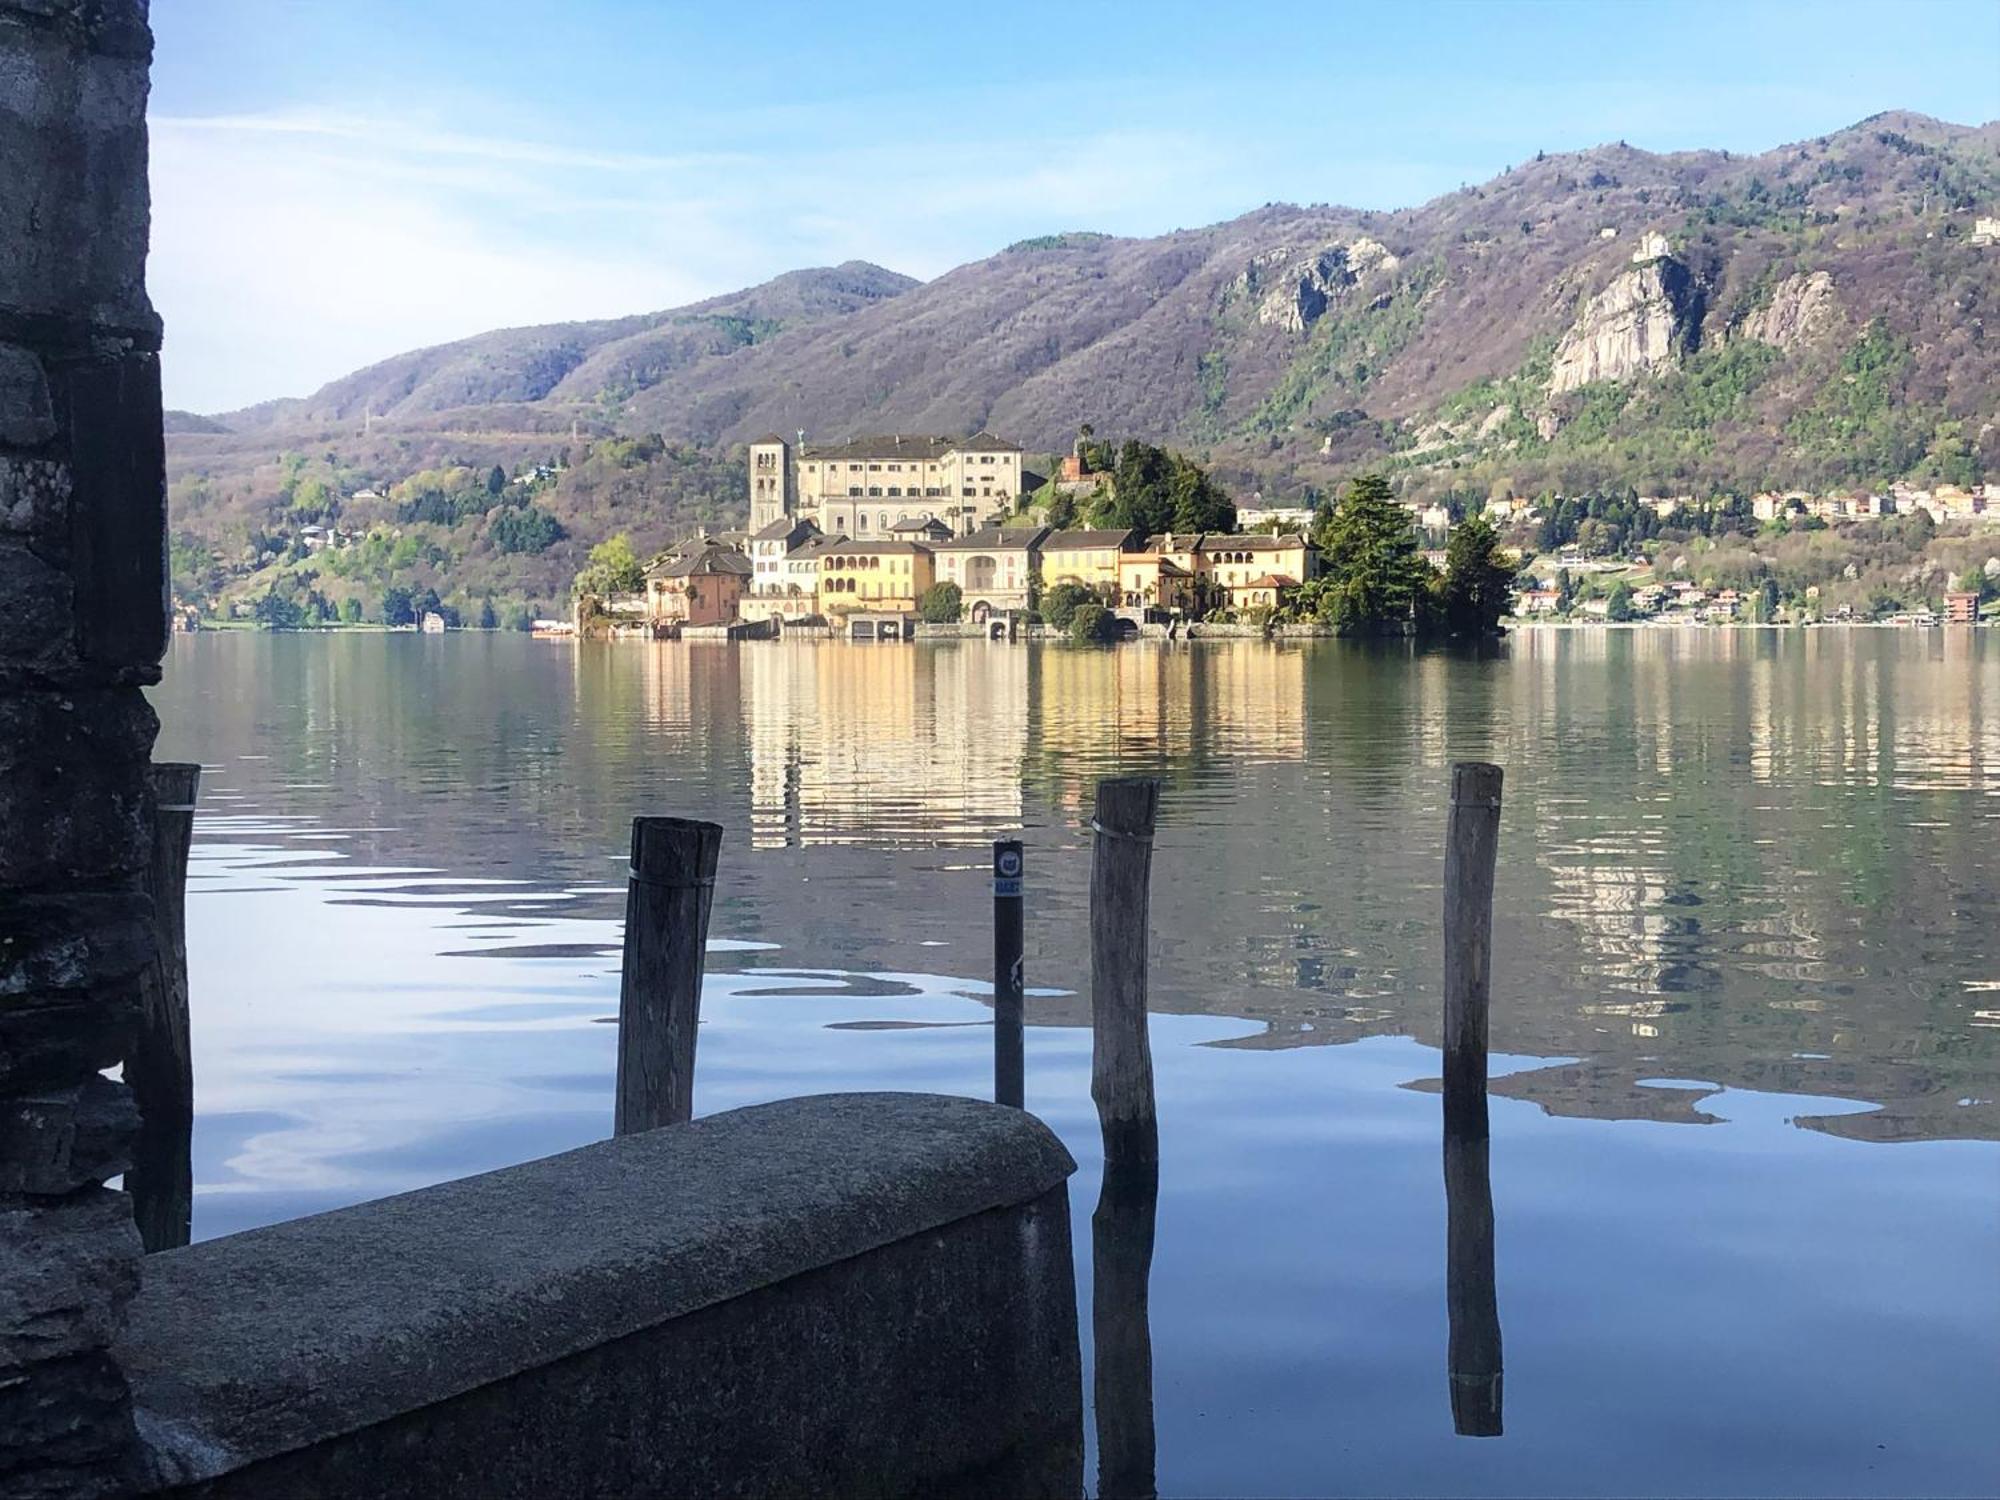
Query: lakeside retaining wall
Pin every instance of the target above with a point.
(861, 1294)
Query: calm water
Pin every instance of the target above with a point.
(1746, 1151)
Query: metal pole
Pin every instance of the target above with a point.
(1009, 978)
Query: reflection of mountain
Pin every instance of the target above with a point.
(1759, 859)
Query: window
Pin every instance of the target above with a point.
(874, 490)
(895, 468)
(873, 467)
(861, 520)
(987, 459)
(896, 489)
(854, 468)
(854, 489)
(885, 520)
(968, 492)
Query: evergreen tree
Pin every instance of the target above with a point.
(1478, 585)
(1369, 548)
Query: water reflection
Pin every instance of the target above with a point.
(1471, 1300)
(1121, 1268)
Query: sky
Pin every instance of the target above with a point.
(336, 181)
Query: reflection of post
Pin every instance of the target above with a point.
(659, 999)
(1121, 1062)
(1009, 1061)
(160, 1067)
(1121, 1259)
(1472, 842)
(1470, 1297)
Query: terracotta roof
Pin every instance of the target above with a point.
(995, 538)
(769, 437)
(921, 523)
(782, 528)
(1270, 581)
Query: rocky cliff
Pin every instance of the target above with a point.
(1500, 335)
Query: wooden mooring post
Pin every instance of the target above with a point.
(1121, 1084)
(1121, 1055)
(1009, 975)
(667, 902)
(159, 1068)
(1472, 842)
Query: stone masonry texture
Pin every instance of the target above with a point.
(82, 629)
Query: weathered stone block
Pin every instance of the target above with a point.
(52, 1041)
(26, 419)
(34, 504)
(73, 941)
(73, 794)
(57, 1141)
(37, 621)
(73, 156)
(68, 1266)
(110, 408)
(68, 1430)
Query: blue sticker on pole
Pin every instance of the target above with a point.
(1007, 872)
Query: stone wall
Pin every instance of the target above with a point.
(83, 625)
(858, 1294)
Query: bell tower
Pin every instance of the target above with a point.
(773, 493)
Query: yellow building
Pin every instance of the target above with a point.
(1094, 559)
(1240, 571)
(874, 577)
(1147, 580)
(867, 487)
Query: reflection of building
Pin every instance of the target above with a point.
(853, 745)
(993, 568)
(868, 487)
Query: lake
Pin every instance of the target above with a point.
(1745, 1161)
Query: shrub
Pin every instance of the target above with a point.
(1060, 604)
(940, 604)
(1092, 625)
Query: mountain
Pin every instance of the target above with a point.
(1696, 321)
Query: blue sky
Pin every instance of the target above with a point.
(338, 180)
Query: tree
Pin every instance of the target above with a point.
(940, 604)
(396, 608)
(489, 617)
(1369, 547)
(1092, 625)
(276, 612)
(1060, 604)
(496, 480)
(614, 569)
(1565, 592)
(1767, 600)
(350, 611)
(1478, 584)
(1619, 606)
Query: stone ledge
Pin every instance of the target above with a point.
(271, 1341)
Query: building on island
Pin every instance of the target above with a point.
(1151, 581)
(994, 569)
(698, 586)
(784, 582)
(1961, 607)
(1091, 558)
(868, 486)
(875, 577)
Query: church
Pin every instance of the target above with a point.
(878, 487)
